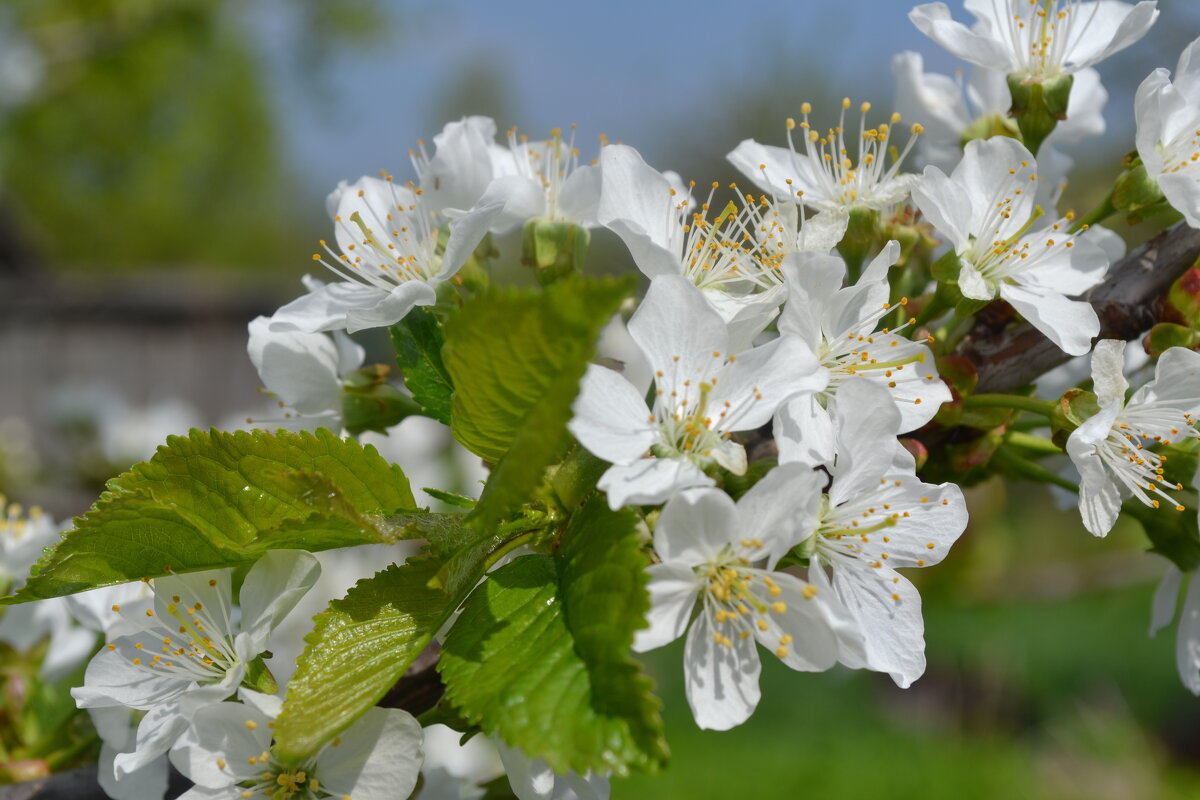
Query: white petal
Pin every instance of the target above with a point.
(378, 758)
(466, 232)
(300, 367)
(992, 169)
(650, 481)
(579, 199)
(611, 418)
(520, 198)
(972, 284)
(1070, 324)
(1176, 381)
(677, 329)
(673, 592)
(222, 738)
(532, 779)
(811, 618)
(781, 509)
(933, 20)
(1183, 193)
(461, 167)
(636, 203)
(721, 682)
(866, 422)
(1166, 598)
(762, 379)
(695, 527)
(1187, 643)
(1099, 495)
(888, 610)
(1108, 372)
(804, 432)
(272, 588)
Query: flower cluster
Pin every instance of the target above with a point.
(816, 398)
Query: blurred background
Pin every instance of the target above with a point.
(163, 165)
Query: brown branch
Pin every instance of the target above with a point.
(1009, 355)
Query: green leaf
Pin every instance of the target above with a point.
(418, 342)
(216, 499)
(540, 653)
(359, 648)
(444, 534)
(516, 359)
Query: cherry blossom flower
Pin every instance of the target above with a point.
(1112, 449)
(1168, 132)
(541, 180)
(878, 516)
(835, 173)
(720, 556)
(22, 539)
(388, 260)
(840, 324)
(227, 753)
(703, 393)
(986, 209)
(190, 650)
(670, 232)
(1037, 39)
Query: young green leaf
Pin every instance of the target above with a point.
(418, 342)
(218, 499)
(516, 359)
(359, 648)
(540, 653)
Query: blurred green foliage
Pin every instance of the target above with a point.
(150, 137)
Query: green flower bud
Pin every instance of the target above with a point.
(554, 249)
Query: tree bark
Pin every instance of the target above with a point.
(1009, 355)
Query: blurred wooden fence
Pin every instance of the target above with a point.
(146, 341)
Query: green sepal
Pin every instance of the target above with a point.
(1135, 192)
(1074, 408)
(259, 678)
(369, 403)
(1038, 105)
(861, 240)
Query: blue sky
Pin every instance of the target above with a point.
(638, 72)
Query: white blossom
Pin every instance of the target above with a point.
(840, 324)
(388, 260)
(227, 753)
(669, 231)
(987, 211)
(541, 180)
(1168, 132)
(1112, 449)
(953, 110)
(22, 540)
(703, 393)
(836, 172)
(878, 516)
(720, 556)
(304, 370)
(1037, 39)
(190, 650)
